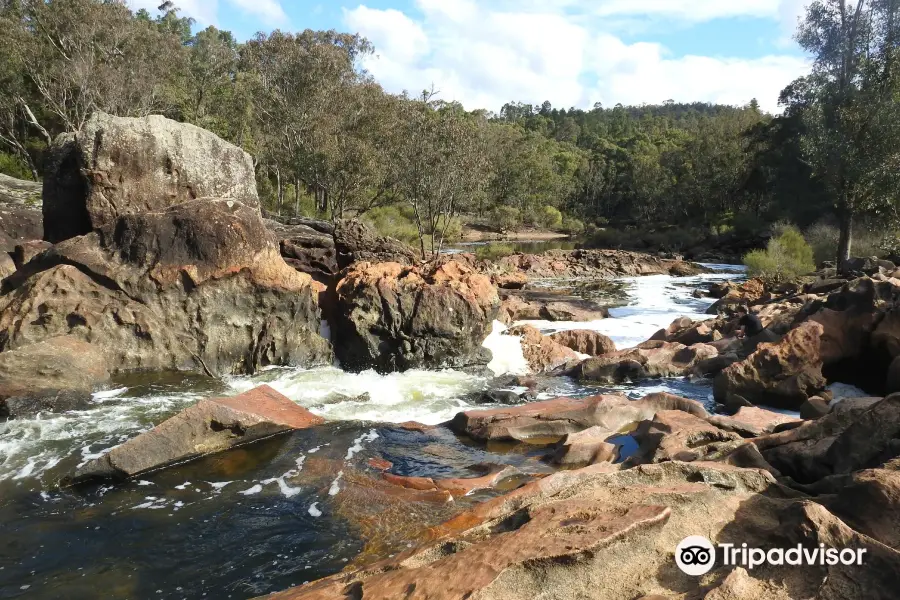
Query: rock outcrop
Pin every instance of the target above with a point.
(208, 427)
(595, 263)
(198, 285)
(118, 166)
(55, 375)
(542, 352)
(592, 343)
(784, 375)
(392, 317)
(649, 360)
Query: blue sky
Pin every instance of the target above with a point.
(571, 52)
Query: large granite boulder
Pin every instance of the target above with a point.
(55, 375)
(207, 427)
(197, 286)
(392, 317)
(118, 166)
(783, 375)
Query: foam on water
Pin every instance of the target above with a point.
(507, 352)
(656, 301)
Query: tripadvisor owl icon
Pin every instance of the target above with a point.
(695, 555)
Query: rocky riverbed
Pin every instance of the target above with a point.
(202, 401)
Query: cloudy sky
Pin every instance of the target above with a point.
(571, 52)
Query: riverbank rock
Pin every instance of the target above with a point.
(594, 263)
(357, 242)
(536, 306)
(783, 375)
(560, 417)
(210, 426)
(117, 166)
(542, 352)
(600, 532)
(592, 343)
(649, 360)
(392, 317)
(55, 375)
(197, 286)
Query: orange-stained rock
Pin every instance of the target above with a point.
(585, 341)
(676, 435)
(542, 352)
(392, 317)
(554, 419)
(654, 358)
(380, 464)
(456, 487)
(785, 374)
(586, 447)
(207, 427)
(752, 421)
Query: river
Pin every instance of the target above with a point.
(278, 513)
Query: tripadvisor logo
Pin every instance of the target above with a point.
(696, 556)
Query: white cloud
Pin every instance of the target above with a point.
(269, 11)
(485, 57)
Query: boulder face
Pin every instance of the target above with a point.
(117, 166)
(208, 427)
(592, 343)
(648, 360)
(784, 375)
(55, 375)
(542, 352)
(198, 286)
(393, 318)
(356, 242)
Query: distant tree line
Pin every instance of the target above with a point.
(328, 141)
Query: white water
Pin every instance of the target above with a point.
(656, 301)
(31, 447)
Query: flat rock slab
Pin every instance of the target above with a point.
(207, 427)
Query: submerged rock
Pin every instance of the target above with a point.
(393, 318)
(55, 375)
(207, 427)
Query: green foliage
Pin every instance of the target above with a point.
(572, 226)
(610, 239)
(494, 251)
(506, 218)
(786, 258)
(549, 217)
(393, 221)
(12, 165)
(869, 239)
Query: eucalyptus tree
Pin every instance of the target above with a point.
(850, 106)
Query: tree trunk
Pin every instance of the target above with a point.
(296, 197)
(846, 241)
(279, 191)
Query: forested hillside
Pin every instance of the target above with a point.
(328, 140)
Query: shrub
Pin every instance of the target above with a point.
(824, 236)
(494, 251)
(454, 229)
(572, 226)
(12, 165)
(787, 257)
(549, 217)
(506, 218)
(393, 222)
